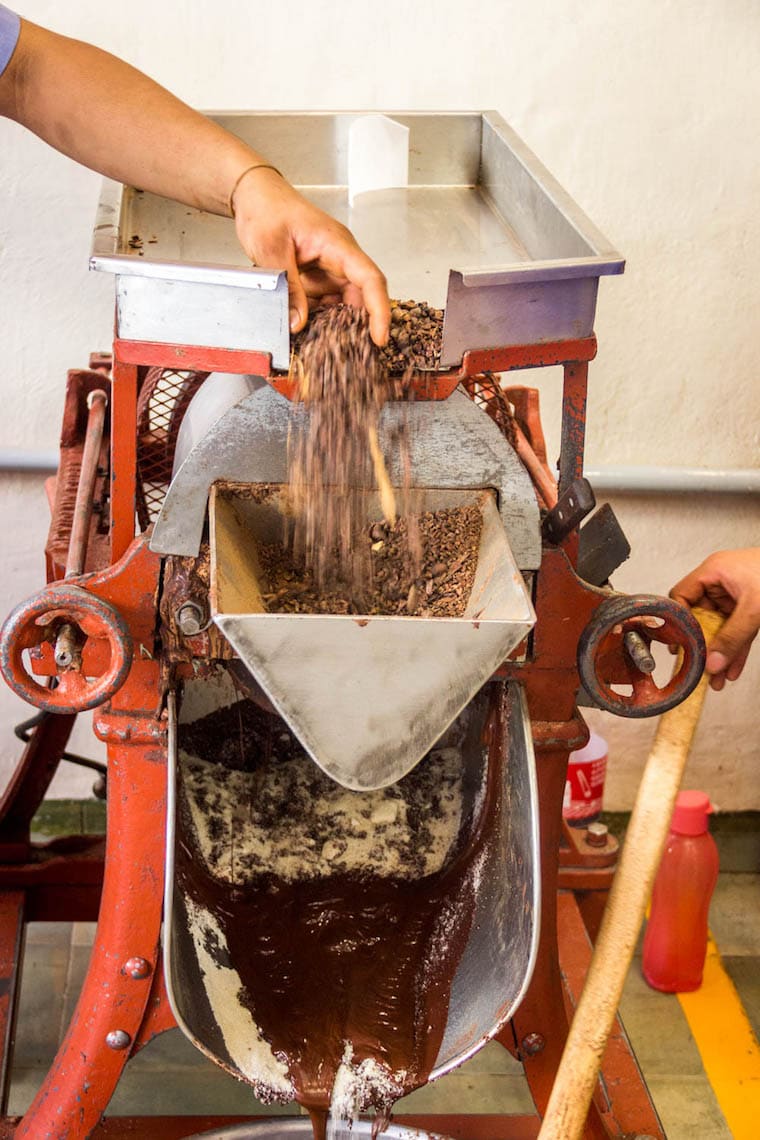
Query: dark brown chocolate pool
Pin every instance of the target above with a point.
(349, 958)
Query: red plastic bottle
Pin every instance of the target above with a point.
(675, 943)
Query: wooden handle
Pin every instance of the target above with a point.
(644, 842)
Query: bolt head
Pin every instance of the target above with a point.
(118, 1039)
(190, 619)
(533, 1043)
(596, 834)
(137, 968)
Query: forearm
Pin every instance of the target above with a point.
(112, 118)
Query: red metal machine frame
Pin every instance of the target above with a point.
(123, 1004)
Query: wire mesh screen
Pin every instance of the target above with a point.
(164, 397)
(486, 391)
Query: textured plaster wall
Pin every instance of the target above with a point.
(646, 112)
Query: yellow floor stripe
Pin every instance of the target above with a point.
(729, 1049)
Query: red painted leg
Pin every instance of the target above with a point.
(541, 1023)
(11, 943)
(123, 456)
(30, 781)
(113, 1001)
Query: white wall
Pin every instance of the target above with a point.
(646, 112)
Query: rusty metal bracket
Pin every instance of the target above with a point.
(569, 511)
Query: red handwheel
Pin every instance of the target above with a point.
(607, 657)
(67, 619)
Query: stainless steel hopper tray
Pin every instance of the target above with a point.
(366, 696)
(481, 228)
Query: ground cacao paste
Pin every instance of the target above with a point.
(344, 964)
(430, 574)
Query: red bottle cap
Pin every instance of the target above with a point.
(690, 813)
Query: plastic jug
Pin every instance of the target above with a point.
(584, 787)
(675, 943)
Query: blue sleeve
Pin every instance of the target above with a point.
(9, 29)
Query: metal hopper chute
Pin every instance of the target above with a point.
(366, 696)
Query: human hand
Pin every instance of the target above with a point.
(279, 229)
(727, 581)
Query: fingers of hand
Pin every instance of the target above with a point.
(282, 255)
(729, 649)
(319, 282)
(723, 577)
(374, 288)
(737, 665)
(718, 677)
(298, 235)
(727, 581)
(694, 590)
(327, 286)
(343, 257)
(299, 305)
(330, 289)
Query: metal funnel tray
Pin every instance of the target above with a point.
(366, 696)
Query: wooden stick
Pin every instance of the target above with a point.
(539, 473)
(644, 842)
(387, 494)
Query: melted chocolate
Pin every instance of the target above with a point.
(319, 1122)
(370, 961)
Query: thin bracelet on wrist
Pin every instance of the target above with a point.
(240, 177)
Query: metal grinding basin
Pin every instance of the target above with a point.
(212, 987)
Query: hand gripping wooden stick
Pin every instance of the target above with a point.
(644, 842)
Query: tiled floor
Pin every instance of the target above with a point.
(171, 1076)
